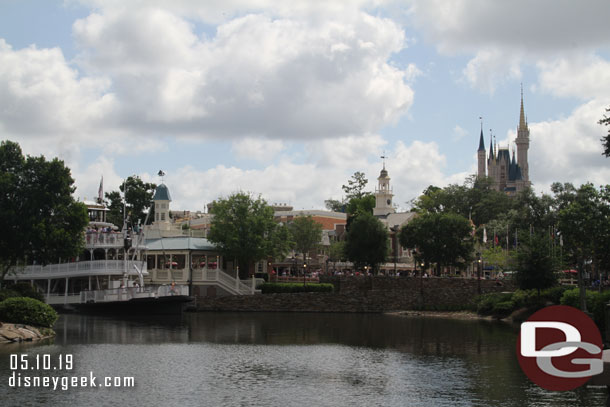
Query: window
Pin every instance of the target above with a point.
(163, 216)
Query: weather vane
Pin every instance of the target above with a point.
(383, 157)
(161, 174)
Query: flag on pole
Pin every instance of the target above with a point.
(100, 191)
(496, 241)
(484, 235)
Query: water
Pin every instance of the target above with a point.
(283, 359)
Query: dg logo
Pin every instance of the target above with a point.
(560, 348)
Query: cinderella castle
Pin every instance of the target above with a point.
(509, 175)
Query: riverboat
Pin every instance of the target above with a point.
(108, 277)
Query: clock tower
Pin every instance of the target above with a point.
(383, 195)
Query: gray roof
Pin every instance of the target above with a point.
(162, 193)
(179, 243)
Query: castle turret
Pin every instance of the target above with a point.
(481, 156)
(523, 143)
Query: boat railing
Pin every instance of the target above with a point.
(117, 294)
(103, 239)
(75, 269)
(169, 290)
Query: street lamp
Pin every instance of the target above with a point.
(479, 261)
(304, 273)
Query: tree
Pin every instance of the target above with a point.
(138, 200)
(367, 242)
(243, 229)
(583, 223)
(606, 139)
(355, 186)
(443, 239)
(536, 266)
(335, 205)
(306, 234)
(40, 219)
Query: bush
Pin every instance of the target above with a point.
(554, 294)
(26, 290)
(268, 288)
(503, 309)
(22, 310)
(596, 302)
(487, 302)
(7, 293)
(21, 290)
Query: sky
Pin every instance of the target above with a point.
(287, 99)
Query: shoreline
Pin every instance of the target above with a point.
(462, 315)
(16, 333)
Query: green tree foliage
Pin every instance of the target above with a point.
(138, 200)
(367, 242)
(306, 234)
(475, 199)
(443, 239)
(584, 223)
(335, 205)
(355, 186)
(243, 229)
(39, 218)
(337, 251)
(536, 266)
(606, 139)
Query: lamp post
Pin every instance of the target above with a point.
(479, 265)
(304, 273)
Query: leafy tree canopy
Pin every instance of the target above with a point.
(243, 229)
(535, 264)
(355, 186)
(367, 242)
(138, 199)
(306, 234)
(443, 239)
(40, 219)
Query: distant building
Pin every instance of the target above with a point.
(393, 221)
(509, 175)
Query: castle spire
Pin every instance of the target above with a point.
(481, 141)
(522, 121)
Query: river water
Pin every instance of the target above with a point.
(279, 359)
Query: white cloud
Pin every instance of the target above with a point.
(582, 76)
(569, 149)
(459, 133)
(257, 149)
(280, 78)
(42, 95)
(489, 68)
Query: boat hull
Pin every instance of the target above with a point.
(166, 305)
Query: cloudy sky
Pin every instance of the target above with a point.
(287, 99)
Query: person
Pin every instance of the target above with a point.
(172, 290)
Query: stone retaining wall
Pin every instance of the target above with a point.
(365, 294)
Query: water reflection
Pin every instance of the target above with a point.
(280, 359)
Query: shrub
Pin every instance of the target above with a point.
(268, 288)
(26, 290)
(486, 303)
(7, 293)
(503, 309)
(596, 302)
(22, 310)
(554, 294)
(20, 290)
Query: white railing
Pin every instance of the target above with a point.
(103, 239)
(76, 269)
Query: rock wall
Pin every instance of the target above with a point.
(366, 294)
(20, 333)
